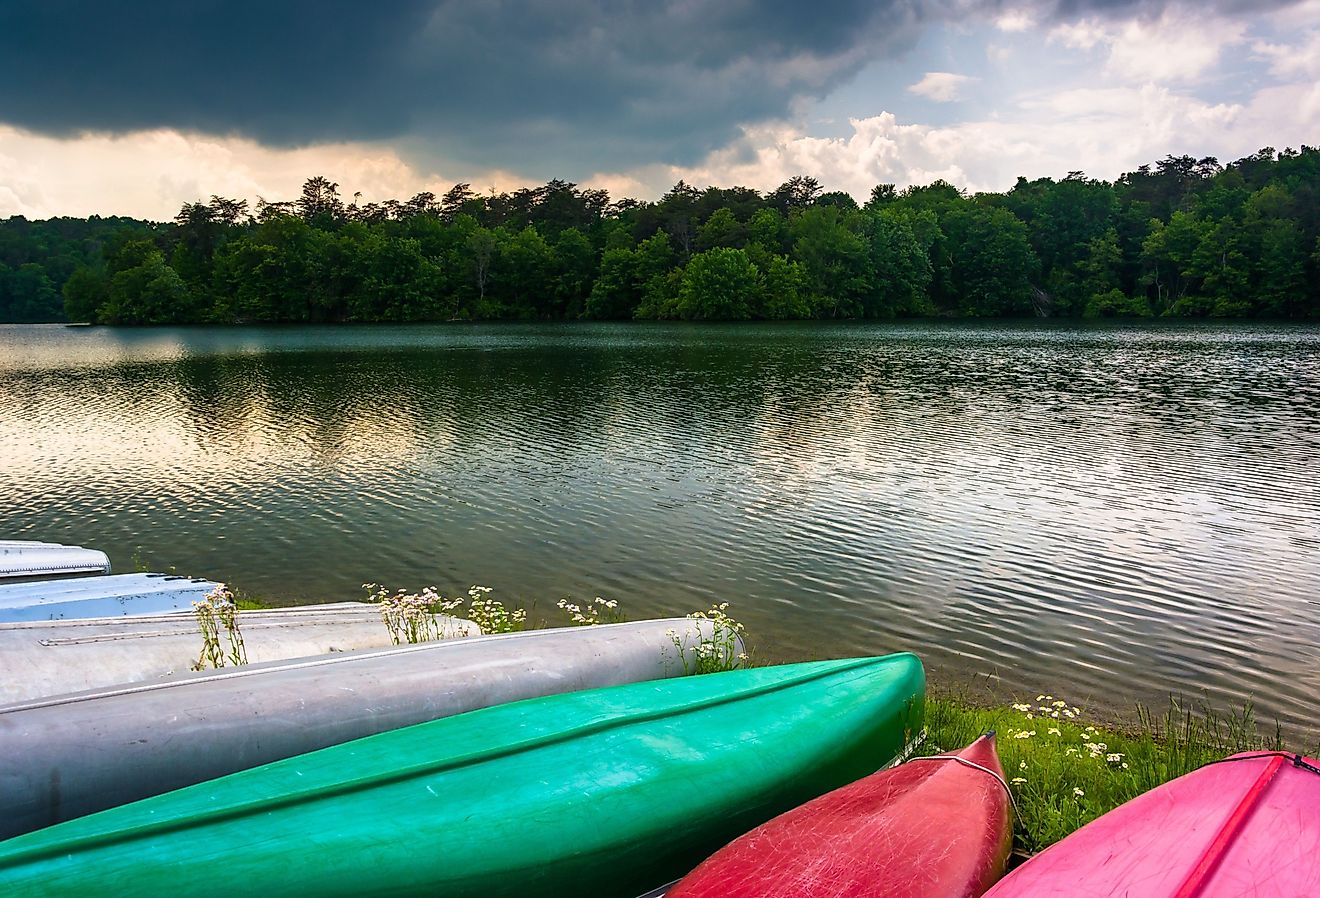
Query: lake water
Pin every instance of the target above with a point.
(1107, 514)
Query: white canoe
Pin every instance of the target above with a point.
(67, 756)
(40, 658)
(115, 595)
(28, 558)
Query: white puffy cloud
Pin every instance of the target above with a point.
(1181, 44)
(1014, 20)
(1101, 131)
(1300, 59)
(942, 87)
(149, 174)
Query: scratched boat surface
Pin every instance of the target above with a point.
(55, 657)
(155, 737)
(113, 595)
(931, 828)
(606, 792)
(1246, 827)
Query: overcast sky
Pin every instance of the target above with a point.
(137, 107)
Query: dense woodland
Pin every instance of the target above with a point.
(1184, 237)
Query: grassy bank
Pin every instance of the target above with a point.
(1065, 771)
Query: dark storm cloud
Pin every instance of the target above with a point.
(503, 83)
(492, 81)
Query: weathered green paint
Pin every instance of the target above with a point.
(604, 792)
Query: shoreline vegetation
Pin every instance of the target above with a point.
(1064, 768)
(1065, 771)
(1184, 237)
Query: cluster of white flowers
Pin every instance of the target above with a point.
(593, 612)
(217, 613)
(1115, 759)
(220, 600)
(1050, 709)
(491, 615)
(413, 617)
(1057, 708)
(722, 650)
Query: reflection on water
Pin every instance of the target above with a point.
(1107, 514)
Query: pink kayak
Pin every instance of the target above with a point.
(1245, 827)
(931, 828)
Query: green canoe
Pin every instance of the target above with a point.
(605, 792)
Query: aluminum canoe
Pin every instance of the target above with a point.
(68, 756)
(607, 792)
(29, 558)
(43, 658)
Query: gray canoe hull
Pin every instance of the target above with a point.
(116, 595)
(54, 657)
(28, 558)
(68, 756)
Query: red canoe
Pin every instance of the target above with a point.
(931, 828)
(1246, 827)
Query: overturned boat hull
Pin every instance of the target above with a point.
(115, 595)
(1245, 826)
(931, 828)
(29, 558)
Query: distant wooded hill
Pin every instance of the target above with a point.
(1184, 237)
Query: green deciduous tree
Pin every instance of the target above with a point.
(783, 290)
(150, 292)
(900, 269)
(720, 284)
(992, 261)
(84, 292)
(28, 295)
(835, 259)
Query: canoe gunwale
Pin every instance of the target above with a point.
(997, 777)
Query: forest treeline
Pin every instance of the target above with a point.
(1182, 237)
